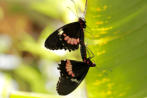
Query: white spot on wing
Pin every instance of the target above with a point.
(75, 80)
(60, 32)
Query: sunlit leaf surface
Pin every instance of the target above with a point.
(117, 34)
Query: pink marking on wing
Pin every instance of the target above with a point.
(72, 41)
(66, 38)
(67, 63)
(73, 75)
(69, 68)
(64, 35)
(75, 41)
(70, 73)
(78, 40)
(69, 40)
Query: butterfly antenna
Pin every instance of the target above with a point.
(72, 11)
(85, 8)
(75, 7)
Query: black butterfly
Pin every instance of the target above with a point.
(68, 83)
(69, 36)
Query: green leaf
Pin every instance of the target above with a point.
(117, 36)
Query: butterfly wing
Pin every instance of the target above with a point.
(66, 37)
(66, 83)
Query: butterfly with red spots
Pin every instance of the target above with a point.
(67, 37)
(70, 78)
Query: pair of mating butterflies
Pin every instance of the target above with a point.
(70, 37)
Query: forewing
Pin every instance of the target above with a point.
(66, 83)
(66, 37)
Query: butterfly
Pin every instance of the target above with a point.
(69, 82)
(67, 37)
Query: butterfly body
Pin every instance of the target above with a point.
(67, 37)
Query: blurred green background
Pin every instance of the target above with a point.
(116, 33)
